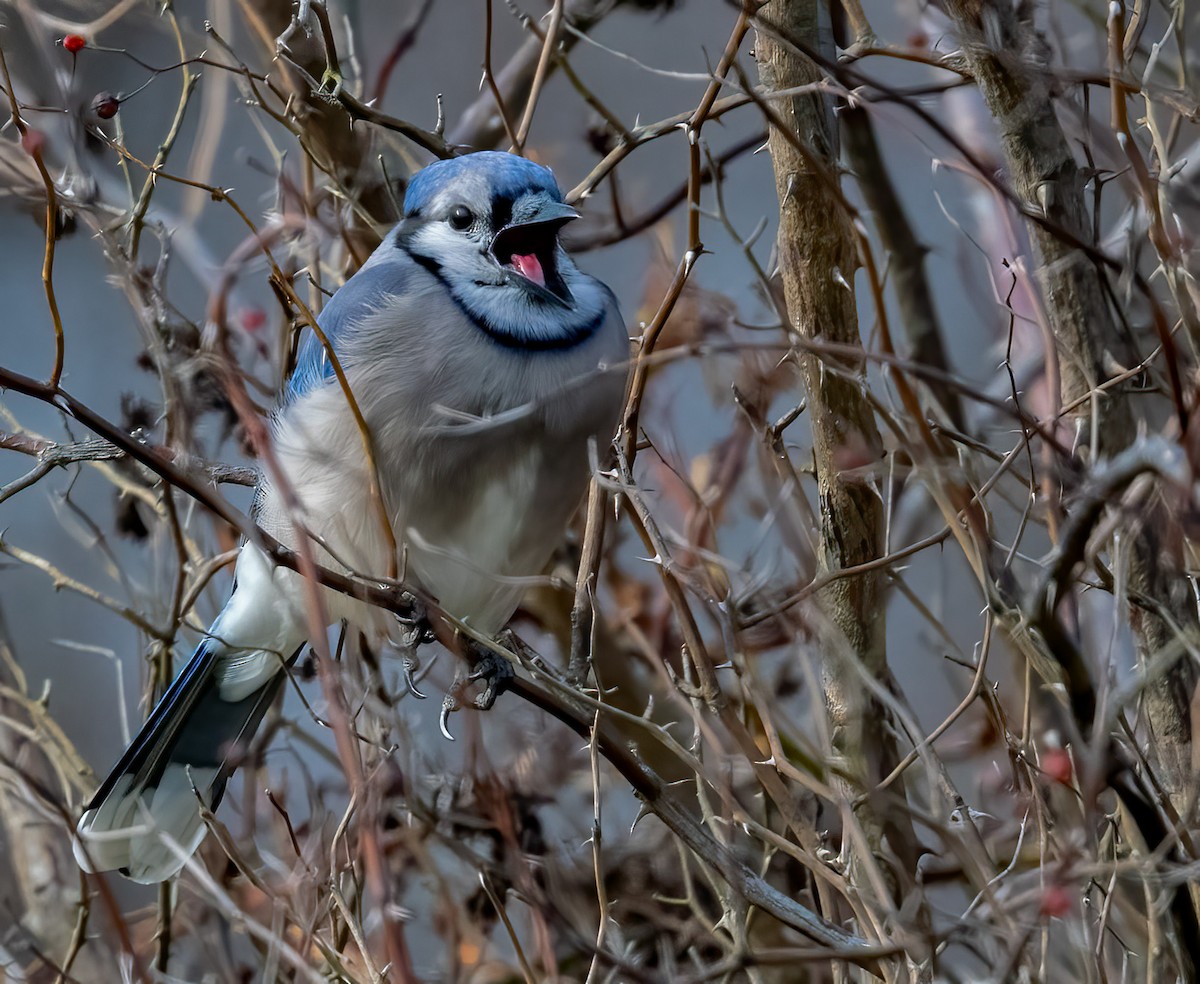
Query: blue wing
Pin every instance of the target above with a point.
(389, 272)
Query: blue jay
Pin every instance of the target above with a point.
(484, 362)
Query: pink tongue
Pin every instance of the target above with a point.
(529, 266)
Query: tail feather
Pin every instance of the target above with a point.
(145, 818)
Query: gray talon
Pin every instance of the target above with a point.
(408, 666)
(449, 703)
(417, 631)
(492, 670)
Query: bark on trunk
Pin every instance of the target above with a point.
(1004, 53)
(817, 259)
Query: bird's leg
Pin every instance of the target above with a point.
(415, 630)
(487, 667)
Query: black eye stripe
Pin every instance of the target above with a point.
(501, 213)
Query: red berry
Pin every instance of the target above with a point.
(1056, 764)
(253, 318)
(1056, 901)
(105, 105)
(74, 43)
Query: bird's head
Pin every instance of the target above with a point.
(487, 225)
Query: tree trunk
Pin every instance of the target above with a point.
(1003, 53)
(817, 260)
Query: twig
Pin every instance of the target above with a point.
(33, 141)
(489, 77)
(539, 75)
(55, 455)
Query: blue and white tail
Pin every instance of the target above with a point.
(145, 819)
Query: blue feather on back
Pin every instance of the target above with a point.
(312, 368)
(360, 296)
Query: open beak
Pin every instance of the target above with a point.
(527, 248)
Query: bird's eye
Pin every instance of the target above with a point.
(461, 218)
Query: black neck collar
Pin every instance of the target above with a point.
(500, 335)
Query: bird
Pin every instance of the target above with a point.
(484, 364)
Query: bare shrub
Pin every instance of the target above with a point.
(872, 651)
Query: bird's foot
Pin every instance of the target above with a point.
(416, 630)
(489, 668)
(416, 625)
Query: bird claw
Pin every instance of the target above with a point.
(449, 704)
(408, 667)
(417, 631)
(492, 669)
(496, 673)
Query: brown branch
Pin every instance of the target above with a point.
(583, 609)
(400, 47)
(623, 229)
(654, 792)
(1031, 209)
(1043, 172)
(549, 43)
(817, 259)
(57, 455)
(331, 87)
(489, 75)
(1044, 176)
(695, 248)
(480, 127)
(33, 141)
(1004, 60)
(738, 875)
(906, 254)
(396, 600)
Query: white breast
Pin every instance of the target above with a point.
(478, 547)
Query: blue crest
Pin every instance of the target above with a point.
(508, 175)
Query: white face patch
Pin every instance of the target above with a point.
(493, 246)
